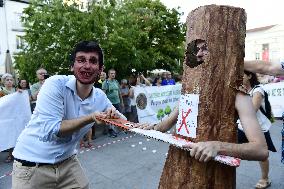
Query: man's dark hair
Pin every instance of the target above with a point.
(87, 46)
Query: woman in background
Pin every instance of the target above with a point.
(158, 81)
(257, 93)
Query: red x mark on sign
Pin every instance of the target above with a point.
(183, 121)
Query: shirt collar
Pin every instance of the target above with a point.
(71, 84)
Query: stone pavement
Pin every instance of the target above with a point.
(134, 162)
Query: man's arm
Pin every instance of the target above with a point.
(263, 67)
(147, 82)
(68, 127)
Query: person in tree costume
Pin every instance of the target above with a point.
(213, 70)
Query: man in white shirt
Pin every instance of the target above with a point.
(67, 106)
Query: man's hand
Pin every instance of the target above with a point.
(204, 151)
(111, 113)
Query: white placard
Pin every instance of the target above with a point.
(187, 118)
(15, 113)
(276, 97)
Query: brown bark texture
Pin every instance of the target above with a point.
(216, 81)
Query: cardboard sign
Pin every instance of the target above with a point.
(187, 118)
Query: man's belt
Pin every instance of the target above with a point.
(33, 164)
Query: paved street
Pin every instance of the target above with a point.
(134, 162)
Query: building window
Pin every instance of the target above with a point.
(265, 52)
(257, 56)
(17, 23)
(19, 42)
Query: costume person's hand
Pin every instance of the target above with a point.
(204, 151)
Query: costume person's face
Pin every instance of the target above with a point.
(196, 53)
(202, 51)
(86, 67)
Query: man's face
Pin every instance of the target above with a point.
(202, 51)
(111, 74)
(40, 74)
(86, 67)
(169, 75)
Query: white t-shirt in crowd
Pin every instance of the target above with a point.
(132, 100)
(263, 121)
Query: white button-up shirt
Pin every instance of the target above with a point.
(57, 101)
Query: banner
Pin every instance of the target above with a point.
(275, 93)
(15, 113)
(156, 103)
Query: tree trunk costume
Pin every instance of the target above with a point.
(216, 81)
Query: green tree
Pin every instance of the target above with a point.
(52, 29)
(146, 36)
(139, 34)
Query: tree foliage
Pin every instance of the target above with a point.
(135, 34)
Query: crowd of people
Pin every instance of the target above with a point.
(75, 101)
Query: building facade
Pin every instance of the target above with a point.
(11, 28)
(265, 43)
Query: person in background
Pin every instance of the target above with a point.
(263, 67)
(112, 89)
(133, 116)
(124, 89)
(8, 81)
(169, 80)
(23, 84)
(158, 81)
(99, 83)
(164, 78)
(8, 84)
(143, 81)
(251, 84)
(41, 74)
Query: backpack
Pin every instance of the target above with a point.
(267, 111)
